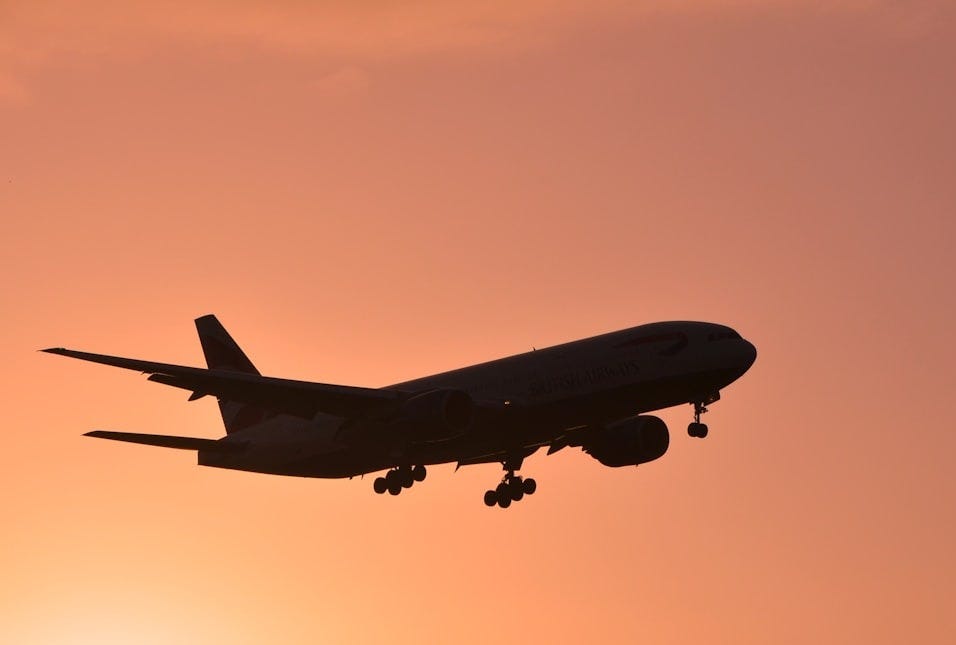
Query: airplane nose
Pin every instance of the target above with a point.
(749, 354)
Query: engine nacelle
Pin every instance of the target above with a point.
(437, 415)
(629, 442)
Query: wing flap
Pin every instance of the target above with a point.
(571, 437)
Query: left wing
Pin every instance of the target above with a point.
(169, 441)
(299, 398)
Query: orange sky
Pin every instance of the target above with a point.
(369, 192)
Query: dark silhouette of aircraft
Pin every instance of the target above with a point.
(592, 394)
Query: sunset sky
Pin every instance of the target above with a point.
(367, 192)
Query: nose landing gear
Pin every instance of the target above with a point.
(698, 429)
(512, 488)
(398, 478)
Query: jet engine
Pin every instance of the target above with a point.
(629, 442)
(437, 415)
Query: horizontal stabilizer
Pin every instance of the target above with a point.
(168, 441)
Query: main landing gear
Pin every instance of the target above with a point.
(512, 488)
(398, 478)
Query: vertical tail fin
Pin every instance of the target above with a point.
(222, 353)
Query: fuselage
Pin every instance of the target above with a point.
(528, 400)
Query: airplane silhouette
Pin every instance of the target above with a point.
(592, 394)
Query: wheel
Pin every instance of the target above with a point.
(530, 486)
(702, 430)
(419, 472)
(491, 498)
(694, 429)
(406, 478)
(504, 502)
(380, 485)
(393, 482)
(516, 490)
(502, 491)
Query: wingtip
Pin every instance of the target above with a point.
(54, 350)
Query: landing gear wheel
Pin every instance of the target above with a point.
(515, 489)
(502, 491)
(406, 478)
(491, 498)
(530, 486)
(418, 473)
(380, 485)
(504, 502)
(697, 429)
(393, 481)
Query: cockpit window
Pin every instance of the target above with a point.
(723, 335)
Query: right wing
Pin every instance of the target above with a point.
(299, 398)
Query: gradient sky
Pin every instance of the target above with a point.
(369, 192)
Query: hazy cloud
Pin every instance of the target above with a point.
(12, 90)
(345, 34)
(348, 80)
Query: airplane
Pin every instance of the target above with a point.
(592, 394)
